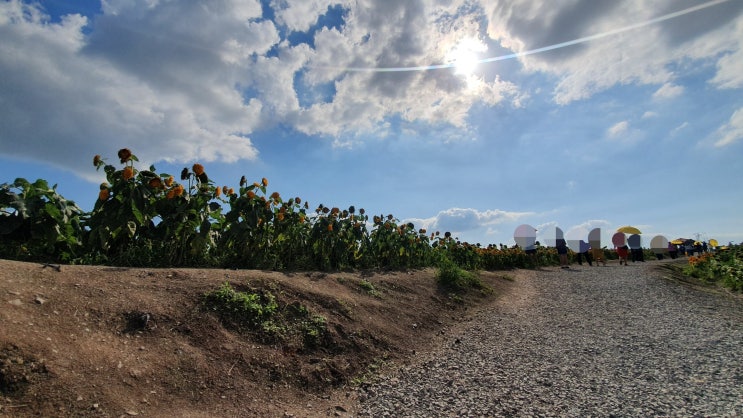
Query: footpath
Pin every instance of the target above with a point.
(614, 341)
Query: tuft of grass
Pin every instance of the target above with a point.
(244, 309)
(369, 288)
(452, 277)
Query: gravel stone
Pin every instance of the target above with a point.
(602, 341)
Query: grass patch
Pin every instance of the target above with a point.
(453, 278)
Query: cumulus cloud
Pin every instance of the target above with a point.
(182, 81)
(611, 55)
(460, 220)
(65, 92)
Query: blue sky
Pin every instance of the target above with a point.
(468, 116)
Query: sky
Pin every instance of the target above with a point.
(467, 116)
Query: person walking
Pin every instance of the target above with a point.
(562, 253)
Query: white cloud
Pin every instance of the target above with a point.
(730, 70)
(638, 56)
(183, 81)
(679, 128)
(460, 220)
(63, 95)
(731, 132)
(618, 129)
(649, 115)
(300, 15)
(668, 91)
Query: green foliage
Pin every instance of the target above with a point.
(724, 266)
(369, 288)
(452, 277)
(143, 209)
(259, 312)
(142, 218)
(242, 309)
(312, 328)
(38, 223)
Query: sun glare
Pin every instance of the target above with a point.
(464, 56)
(465, 62)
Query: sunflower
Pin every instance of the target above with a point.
(128, 173)
(197, 169)
(169, 181)
(264, 182)
(103, 195)
(184, 174)
(330, 227)
(125, 155)
(217, 192)
(251, 194)
(103, 186)
(155, 183)
(243, 181)
(97, 161)
(176, 191)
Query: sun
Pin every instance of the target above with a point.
(465, 62)
(464, 56)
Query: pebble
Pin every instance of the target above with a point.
(586, 341)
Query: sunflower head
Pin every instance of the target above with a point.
(155, 183)
(128, 173)
(124, 155)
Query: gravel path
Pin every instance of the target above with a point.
(590, 341)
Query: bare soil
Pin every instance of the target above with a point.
(96, 341)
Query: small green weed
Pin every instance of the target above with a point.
(243, 309)
(369, 288)
(452, 277)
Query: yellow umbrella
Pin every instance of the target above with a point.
(629, 230)
(713, 242)
(678, 241)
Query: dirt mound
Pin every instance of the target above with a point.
(92, 341)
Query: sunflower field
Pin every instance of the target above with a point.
(147, 219)
(724, 266)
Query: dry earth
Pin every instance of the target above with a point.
(95, 341)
